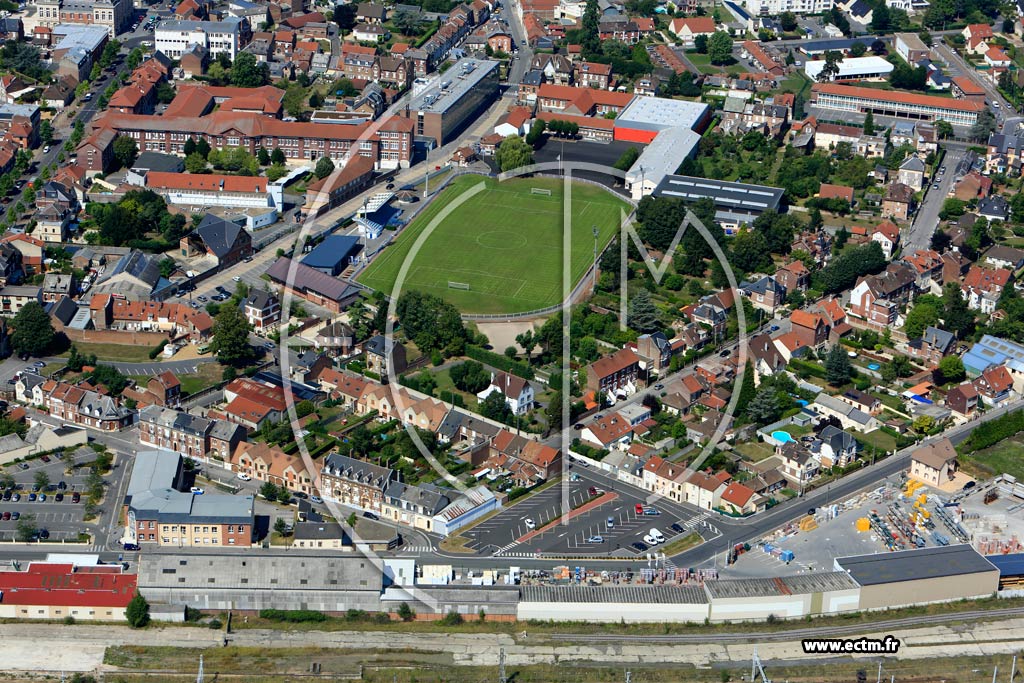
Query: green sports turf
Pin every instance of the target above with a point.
(505, 242)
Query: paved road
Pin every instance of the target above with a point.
(919, 234)
(992, 92)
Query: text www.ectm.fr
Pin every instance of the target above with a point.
(888, 645)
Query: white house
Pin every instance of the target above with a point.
(887, 234)
(688, 28)
(517, 391)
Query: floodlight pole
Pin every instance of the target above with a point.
(596, 233)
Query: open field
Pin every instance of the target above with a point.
(123, 353)
(1006, 457)
(505, 243)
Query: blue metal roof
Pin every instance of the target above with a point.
(333, 250)
(1008, 565)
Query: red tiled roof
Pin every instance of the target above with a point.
(210, 183)
(737, 494)
(828, 191)
(968, 86)
(897, 97)
(594, 122)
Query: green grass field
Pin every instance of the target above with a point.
(505, 243)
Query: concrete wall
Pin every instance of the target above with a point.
(921, 591)
(125, 338)
(613, 612)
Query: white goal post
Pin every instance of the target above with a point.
(540, 190)
(458, 285)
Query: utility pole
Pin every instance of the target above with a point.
(502, 678)
(1013, 668)
(199, 678)
(596, 233)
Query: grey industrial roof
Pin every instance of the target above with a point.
(658, 113)
(786, 585)
(153, 469)
(739, 196)
(663, 156)
(229, 25)
(911, 565)
(255, 572)
(638, 594)
(439, 99)
(155, 161)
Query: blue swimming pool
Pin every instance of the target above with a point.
(873, 366)
(802, 402)
(782, 437)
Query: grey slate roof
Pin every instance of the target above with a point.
(218, 234)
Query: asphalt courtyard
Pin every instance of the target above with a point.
(608, 528)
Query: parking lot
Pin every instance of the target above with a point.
(617, 527)
(52, 508)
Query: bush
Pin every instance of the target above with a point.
(215, 624)
(992, 432)
(156, 350)
(453, 618)
(499, 361)
(293, 616)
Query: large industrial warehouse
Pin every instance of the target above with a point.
(913, 577)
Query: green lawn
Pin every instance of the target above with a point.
(754, 451)
(1006, 457)
(504, 242)
(878, 439)
(115, 352)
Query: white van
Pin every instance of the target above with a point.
(657, 536)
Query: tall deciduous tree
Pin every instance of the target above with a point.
(137, 612)
(324, 167)
(513, 153)
(720, 48)
(33, 331)
(230, 342)
(125, 150)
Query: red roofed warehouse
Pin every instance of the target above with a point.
(56, 591)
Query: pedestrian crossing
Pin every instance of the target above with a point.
(695, 521)
(503, 548)
(417, 548)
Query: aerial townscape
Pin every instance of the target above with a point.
(543, 341)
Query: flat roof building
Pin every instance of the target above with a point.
(895, 104)
(644, 117)
(670, 129)
(157, 512)
(735, 203)
(661, 158)
(444, 108)
(991, 351)
(918, 576)
(333, 254)
(852, 68)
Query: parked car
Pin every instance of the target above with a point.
(595, 539)
(23, 465)
(638, 508)
(31, 497)
(76, 497)
(639, 546)
(196, 491)
(678, 528)
(650, 540)
(657, 535)
(648, 510)
(6, 516)
(44, 534)
(39, 364)
(244, 477)
(530, 524)
(131, 546)
(59, 498)
(316, 499)
(15, 516)
(610, 523)
(41, 498)
(44, 458)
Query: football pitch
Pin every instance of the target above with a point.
(503, 243)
